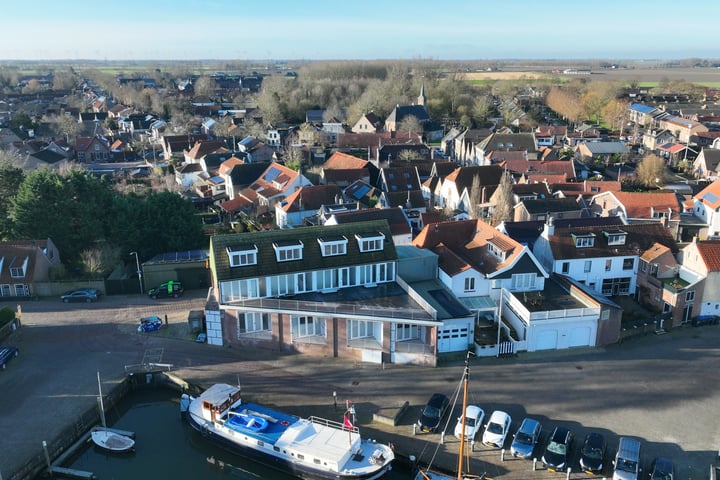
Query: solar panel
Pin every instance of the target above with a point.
(272, 174)
(710, 197)
(360, 192)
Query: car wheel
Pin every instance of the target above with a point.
(175, 295)
(16, 353)
(65, 300)
(88, 300)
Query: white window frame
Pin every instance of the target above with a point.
(303, 282)
(523, 281)
(588, 266)
(253, 322)
(242, 258)
(305, 326)
(371, 243)
(584, 241)
(407, 331)
(333, 248)
(690, 296)
(616, 238)
(361, 329)
(288, 253)
(469, 284)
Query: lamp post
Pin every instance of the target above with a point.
(139, 272)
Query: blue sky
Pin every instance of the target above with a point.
(348, 29)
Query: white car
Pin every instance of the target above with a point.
(474, 416)
(497, 429)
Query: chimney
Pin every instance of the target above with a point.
(549, 228)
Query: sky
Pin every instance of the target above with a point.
(351, 29)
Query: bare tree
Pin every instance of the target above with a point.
(502, 201)
(410, 124)
(651, 171)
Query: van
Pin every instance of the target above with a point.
(627, 460)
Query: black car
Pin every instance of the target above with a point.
(86, 295)
(662, 469)
(433, 412)
(167, 289)
(592, 453)
(557, 450)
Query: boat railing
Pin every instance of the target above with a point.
(333, 424)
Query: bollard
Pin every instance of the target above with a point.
(414, 428)
(502, 454)
(47, 455)
(534, 464)
(472, 447)
(442, 438)
(569, 471)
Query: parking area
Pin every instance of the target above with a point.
(662, 390)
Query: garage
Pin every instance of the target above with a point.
(453, 339)
(546, 340)
(579, 337)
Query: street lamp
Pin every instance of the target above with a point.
(139, 272)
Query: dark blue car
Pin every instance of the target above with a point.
(7, 354)
(433, 412)
(150, 324)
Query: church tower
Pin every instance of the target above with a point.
(421, 97)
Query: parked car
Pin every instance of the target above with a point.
(592, 453)
(557, 450)
(168, 289)
(497, 429)
(433, 412)
(662, 469)
(86, 295)
(150, 324)
(474, 416)
(526, 438)
(7, 354)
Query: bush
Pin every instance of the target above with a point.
(7, 315)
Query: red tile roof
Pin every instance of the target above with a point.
(710, 195)
(710, 252)
(643, 204)
(343, 161)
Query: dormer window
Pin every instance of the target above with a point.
(496, 250)
(583, 240)
(242, 255)
(616, 237)
(332, 246)
(288, 251)
(370, 242)
(18, 268)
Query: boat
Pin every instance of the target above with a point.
(106, 438)
(430, 473)
(309, 448)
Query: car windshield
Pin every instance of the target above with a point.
(626, 465)
(430, 411)
(523, 438)
(469, 421)
(593, 452)
(495, 428)
(556, 447)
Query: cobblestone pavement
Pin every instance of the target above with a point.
(661, 389)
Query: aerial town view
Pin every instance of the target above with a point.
(359, 241)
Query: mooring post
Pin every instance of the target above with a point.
(569, 471)
(534, 464)
(47, 455)
(502, 454)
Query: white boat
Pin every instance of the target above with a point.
(106, 438)
(311, 448)
(428, 472)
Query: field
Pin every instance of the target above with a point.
(650, 76)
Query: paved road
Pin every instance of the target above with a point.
(661, 389)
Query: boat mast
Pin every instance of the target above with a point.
(102, 408)
(462, 419)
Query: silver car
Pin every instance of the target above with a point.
(526, 438)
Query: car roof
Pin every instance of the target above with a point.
(437, 398)
(472, 410)
(560, 433)
(528, 425)
(499, 416)
(594, 437)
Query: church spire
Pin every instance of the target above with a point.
(421, 97)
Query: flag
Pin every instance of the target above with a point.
(346, 421)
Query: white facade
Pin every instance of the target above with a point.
(553, 329)
(708, 215)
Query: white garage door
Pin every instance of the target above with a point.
(452, 339)
(546, 340)
(580, 337)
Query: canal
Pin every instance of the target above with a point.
(167, 448)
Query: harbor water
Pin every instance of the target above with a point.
(167, 448)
